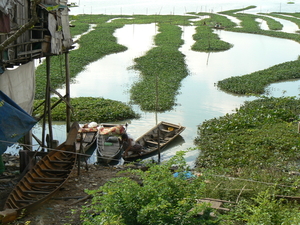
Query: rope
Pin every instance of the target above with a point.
(118, 160)
(58, 150)
(254, 181)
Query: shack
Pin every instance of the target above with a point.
(31, 30)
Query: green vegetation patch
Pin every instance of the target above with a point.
(251, 157)
(87, 109)
(256, 82)
(261, 134)
(93, 46)
(166, 62)
(162, 69)
(160, 199)
(289, 17)
(249, 24)
(207, 41)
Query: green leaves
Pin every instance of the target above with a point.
(256, 82)
(207, 41)
(258, 134)
(161, 199)
(162, 69)
(87, 109)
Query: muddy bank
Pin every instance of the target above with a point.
(65, 206)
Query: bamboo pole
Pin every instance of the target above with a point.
(68, 109)
(156, 106)
(48, 102)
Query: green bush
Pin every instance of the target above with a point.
(266, 209)
(161, 199)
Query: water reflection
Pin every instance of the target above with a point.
(287, 88)
(110, 76)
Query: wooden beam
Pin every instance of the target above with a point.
(34, 19)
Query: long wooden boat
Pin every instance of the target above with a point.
(157, 137)
(109, 148)
(43, 180)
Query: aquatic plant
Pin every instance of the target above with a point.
(162, 69)
(256, 82)
(88, 52)
(257, 135)
(205, 38)
(87, 109)
(272, 23)
(289, 17)
(255, 152)
(207, 41)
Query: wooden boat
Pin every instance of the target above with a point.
(109, 148)
(86, 138)
(157, 137)
(43, 180)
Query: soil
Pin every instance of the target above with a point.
(63, 208)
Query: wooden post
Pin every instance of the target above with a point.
(49, 103)
(156, 107)
(47, 107)
(80, 151)
(158, 141)
(68, 114)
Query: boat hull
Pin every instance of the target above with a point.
(109, 148)
(43, 180)
(156, 139)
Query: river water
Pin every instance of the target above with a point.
(178, 7)
(199, 98)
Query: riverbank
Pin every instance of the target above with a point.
(65, 206)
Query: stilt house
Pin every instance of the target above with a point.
(30, 30)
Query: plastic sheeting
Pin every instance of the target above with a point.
(14, 122)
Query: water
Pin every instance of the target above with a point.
(200, 99)
(178, 7)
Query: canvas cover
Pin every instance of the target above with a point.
(14, 122)
(19, 85)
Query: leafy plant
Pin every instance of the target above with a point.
(256, 82)
(87, 109)
(264, 208)
(160, 199)
(162, 69)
